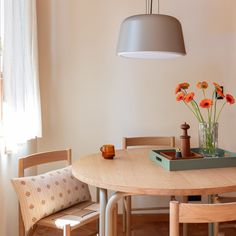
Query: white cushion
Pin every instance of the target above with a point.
(44, 194)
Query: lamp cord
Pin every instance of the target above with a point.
(149, 6)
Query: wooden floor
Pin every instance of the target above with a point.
(143, 225)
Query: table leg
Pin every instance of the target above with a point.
(109, 210)
(115, 214)
(124, 214)
(103, 203)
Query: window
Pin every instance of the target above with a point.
(1, 54)
(20, 112)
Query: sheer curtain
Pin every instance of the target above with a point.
(21, 108)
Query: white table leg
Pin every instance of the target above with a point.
(109, 210)
(103, 203)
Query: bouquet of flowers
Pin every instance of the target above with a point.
(208, 138)
(207, 103)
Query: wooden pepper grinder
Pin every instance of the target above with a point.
(185, 141)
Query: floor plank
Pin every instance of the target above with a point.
(142, 225)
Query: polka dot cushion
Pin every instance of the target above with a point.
(42, 195)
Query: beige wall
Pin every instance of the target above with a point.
(91, 97)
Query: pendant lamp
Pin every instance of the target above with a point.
(151, 36)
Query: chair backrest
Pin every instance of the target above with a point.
(35, 160)
(43, 158)
(168, 141)
(199, 213)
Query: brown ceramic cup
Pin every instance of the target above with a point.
(108, 151)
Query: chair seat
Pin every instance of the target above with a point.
(76, 216)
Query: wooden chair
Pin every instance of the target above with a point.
(223, 199)
(50, 221)
(199, 213)
(163, 142)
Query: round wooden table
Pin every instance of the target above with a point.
(132, 172)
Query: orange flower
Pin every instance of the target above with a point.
(230, 99)
(177, 89)
(202, 85)
(189, 100)
(217, 86)
(189, 97)
(206, 103)
(219, 92)
(180, 97)
(181, 86)
(184, 85)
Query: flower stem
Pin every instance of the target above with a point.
(208, 111)
(194, 104)
(204, 94)
(215, 111)
(194, 112)
(212, 98)
(220, 111)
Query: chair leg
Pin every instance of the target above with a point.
(124, 214)
(216, 225)
(32, 230)
(21, 225)
(67, 230)
(185, 226)
(216, 229)
(128, 216)
(97, 226)
(174, 219)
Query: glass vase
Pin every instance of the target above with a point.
(208, 139)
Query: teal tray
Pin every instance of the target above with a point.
(224, 159)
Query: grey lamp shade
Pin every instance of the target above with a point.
(151, 36)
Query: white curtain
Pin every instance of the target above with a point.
(21, 111)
